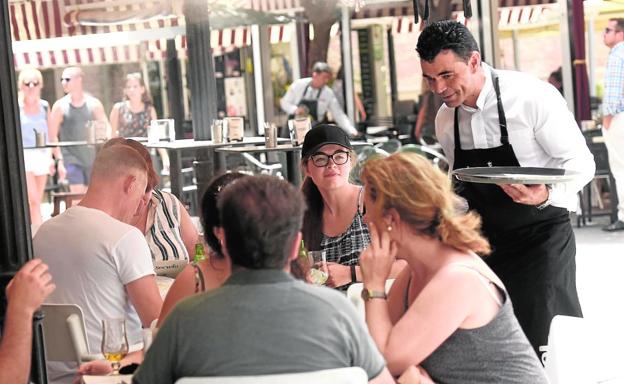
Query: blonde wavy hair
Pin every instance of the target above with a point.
(424, 199)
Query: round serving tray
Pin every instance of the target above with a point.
(514, 175)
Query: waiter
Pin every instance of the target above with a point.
(504, 118)
(312, 97)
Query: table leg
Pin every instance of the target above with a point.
(175, 174)
(293, 159)
(219, 163)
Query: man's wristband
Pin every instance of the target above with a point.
(353, 274)
(546, 202)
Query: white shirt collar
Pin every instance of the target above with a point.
(485, 90)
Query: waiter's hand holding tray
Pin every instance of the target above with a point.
(514, 175)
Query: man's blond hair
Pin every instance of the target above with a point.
(116, 161)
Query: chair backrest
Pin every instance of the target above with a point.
(350, 375)
(64, 334)
(354, 294)
(581, 352)
(436, 157)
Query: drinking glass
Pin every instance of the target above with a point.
(318, 272)
(114, 342)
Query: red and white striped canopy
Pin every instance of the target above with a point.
(43, 25)
(40, 27)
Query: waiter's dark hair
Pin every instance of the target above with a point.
(446, 35)
(424, 199)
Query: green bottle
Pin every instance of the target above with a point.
(303, 252)
(199, 253)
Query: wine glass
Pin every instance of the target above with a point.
(114, 342)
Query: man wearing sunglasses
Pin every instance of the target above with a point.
(68, 121)
(613, 112)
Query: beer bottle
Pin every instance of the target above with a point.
(199, 253)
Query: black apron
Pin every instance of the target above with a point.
(312, 106)
(533, 251)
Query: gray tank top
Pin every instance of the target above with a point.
(496, 353)
(73, 129)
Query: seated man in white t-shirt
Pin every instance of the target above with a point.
(97, 260)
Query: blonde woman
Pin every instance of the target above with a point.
(38, 163)
(447, 312)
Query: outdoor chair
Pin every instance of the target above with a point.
(436, 157)
(64, 334)
(581, 352)
(350, 375)
(263, 168)
(65, 197)
(363, 155)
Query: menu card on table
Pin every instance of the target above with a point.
(235, 128)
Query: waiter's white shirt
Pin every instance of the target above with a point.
(542, 131)
(326, 102)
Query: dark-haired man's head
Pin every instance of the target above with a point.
(210, 212)
(446, 35)
(261, 217)
(451, 63)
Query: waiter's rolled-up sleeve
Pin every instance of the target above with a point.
(558, 134)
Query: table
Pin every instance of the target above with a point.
(293, 158)
(175, 149)
(59, 144)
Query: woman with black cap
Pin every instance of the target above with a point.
(334, 219)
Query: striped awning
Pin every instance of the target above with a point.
(221, 40)
(40, 28)
(509, 18)
(405, 8)
(38, 25)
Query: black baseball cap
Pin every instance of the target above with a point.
(321, 135)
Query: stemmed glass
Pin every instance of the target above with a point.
(114, 342)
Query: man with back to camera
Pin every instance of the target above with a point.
(97, 259)
(312, 97)
(613, 113)
(505, 118)
(261, 321)
(68, 120)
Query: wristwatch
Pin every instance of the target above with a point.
(368, 294)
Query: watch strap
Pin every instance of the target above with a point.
(368, 294)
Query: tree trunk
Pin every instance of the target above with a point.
(322, 14)
(429, 102)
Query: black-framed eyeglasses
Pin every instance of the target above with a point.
(31, 84)
(321, 159)
(65, 79)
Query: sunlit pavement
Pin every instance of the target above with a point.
(600, 271)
